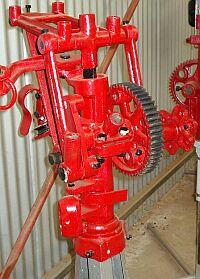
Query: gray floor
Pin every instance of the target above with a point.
(175, 218)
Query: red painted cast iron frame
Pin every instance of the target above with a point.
(37, 207)
(92, 223)
(87, 213)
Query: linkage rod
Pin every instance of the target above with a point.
(28, 225)
(111, 51)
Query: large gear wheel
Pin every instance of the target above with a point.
(134, 104)
(185, 72)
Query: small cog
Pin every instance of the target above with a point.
(181, 75)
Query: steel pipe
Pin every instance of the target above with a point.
(28, 225)
(171, 251)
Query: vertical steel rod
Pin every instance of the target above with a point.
(28, 225)
(111, 51)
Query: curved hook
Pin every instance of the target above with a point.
(27, 117)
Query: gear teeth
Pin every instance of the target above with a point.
(154, 119)
(153, 122)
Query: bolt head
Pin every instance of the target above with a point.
(71, 184)
(36, 114)
(37, 96)
(55, 158)
(102, 137)
(62, 174)
(186, 126)
(89, 254)
(138, 152)
(96, 165)
(64, 56)
(100, 159)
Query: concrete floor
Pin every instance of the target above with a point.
(175, 218)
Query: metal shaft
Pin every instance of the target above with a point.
(171, 251)
(113, 268)
(111, 51)
(28, 225)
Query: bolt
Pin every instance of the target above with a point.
(102, 137)
(178, 88)
(138, 152)
(129, 236)
(100, 159)
(62, 174)
(186, 126)
(89, 73)
(89, 254)
(36, 114)
(123, 131)
(71, 184)
(55, 158)
(28, 8)
(96, 165)
(45, 30)
(65, 55)
(37, 96)
(125, 22)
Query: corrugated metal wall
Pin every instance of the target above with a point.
(162, 28)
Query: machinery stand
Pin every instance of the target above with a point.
(86, 268)
(95, 127)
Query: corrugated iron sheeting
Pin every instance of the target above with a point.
(162, 28)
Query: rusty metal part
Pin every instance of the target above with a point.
(28, 225)
(111, 51)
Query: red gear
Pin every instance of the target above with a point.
(135, 104)
(179, 129)
(182, 75)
